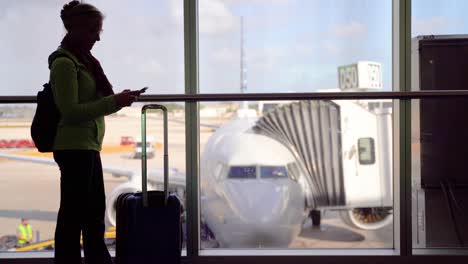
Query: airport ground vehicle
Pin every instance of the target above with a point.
(126, 140)
(149, 148)
(8, 243)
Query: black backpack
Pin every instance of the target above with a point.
(46, 119)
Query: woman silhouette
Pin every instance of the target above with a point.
(83, 96)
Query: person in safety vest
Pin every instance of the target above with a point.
(24, 233)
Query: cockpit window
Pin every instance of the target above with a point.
(242, 172)
(273, 172)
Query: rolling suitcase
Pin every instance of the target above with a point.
(148, 222)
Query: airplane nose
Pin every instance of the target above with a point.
(262, 201)
(263, 213)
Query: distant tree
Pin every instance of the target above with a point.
(253, 106)
(171, 107)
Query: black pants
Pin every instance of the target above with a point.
(82, 208)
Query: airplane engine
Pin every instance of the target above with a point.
(111, 209)
(370, 218)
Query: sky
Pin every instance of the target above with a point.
(290, 45)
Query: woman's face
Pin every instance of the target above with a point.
(87, 34)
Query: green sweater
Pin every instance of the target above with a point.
(82, 109)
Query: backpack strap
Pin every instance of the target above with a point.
(66, 56)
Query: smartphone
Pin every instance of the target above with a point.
(142, 90)
(139, 92)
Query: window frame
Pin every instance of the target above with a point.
(401, 76)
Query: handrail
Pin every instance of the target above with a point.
(204, 97)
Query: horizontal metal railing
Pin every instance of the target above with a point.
(429, 94)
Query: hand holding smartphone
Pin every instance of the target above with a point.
(139, 92)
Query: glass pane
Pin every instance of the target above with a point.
(366, 150)
(438, 17)
(439, 187)
(30, 186)
(290, 177)
(141, 44)
(295, 46)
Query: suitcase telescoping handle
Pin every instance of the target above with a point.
(144, 173)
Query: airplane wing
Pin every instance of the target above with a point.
(212, 125)
(46, 161)
(116, 172)
(176, 178)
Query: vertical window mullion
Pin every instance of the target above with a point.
(407, 136)
(402, 78)
(192, 126)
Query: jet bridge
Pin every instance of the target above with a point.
(311, 131)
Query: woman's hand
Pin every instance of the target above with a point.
(125, 98)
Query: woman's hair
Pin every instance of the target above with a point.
(76, 14)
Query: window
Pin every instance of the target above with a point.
(35, 182)
(290, 47)
(322, 177)
(135, 50)
(141, 45)
(262, 46)
(437, 148)
(366, 148)
(438, 17)
(294, 46)
(242, 172)
(273, 172)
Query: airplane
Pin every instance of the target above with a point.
(256, 190)
(249, 195)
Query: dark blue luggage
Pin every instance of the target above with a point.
(148, 222)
